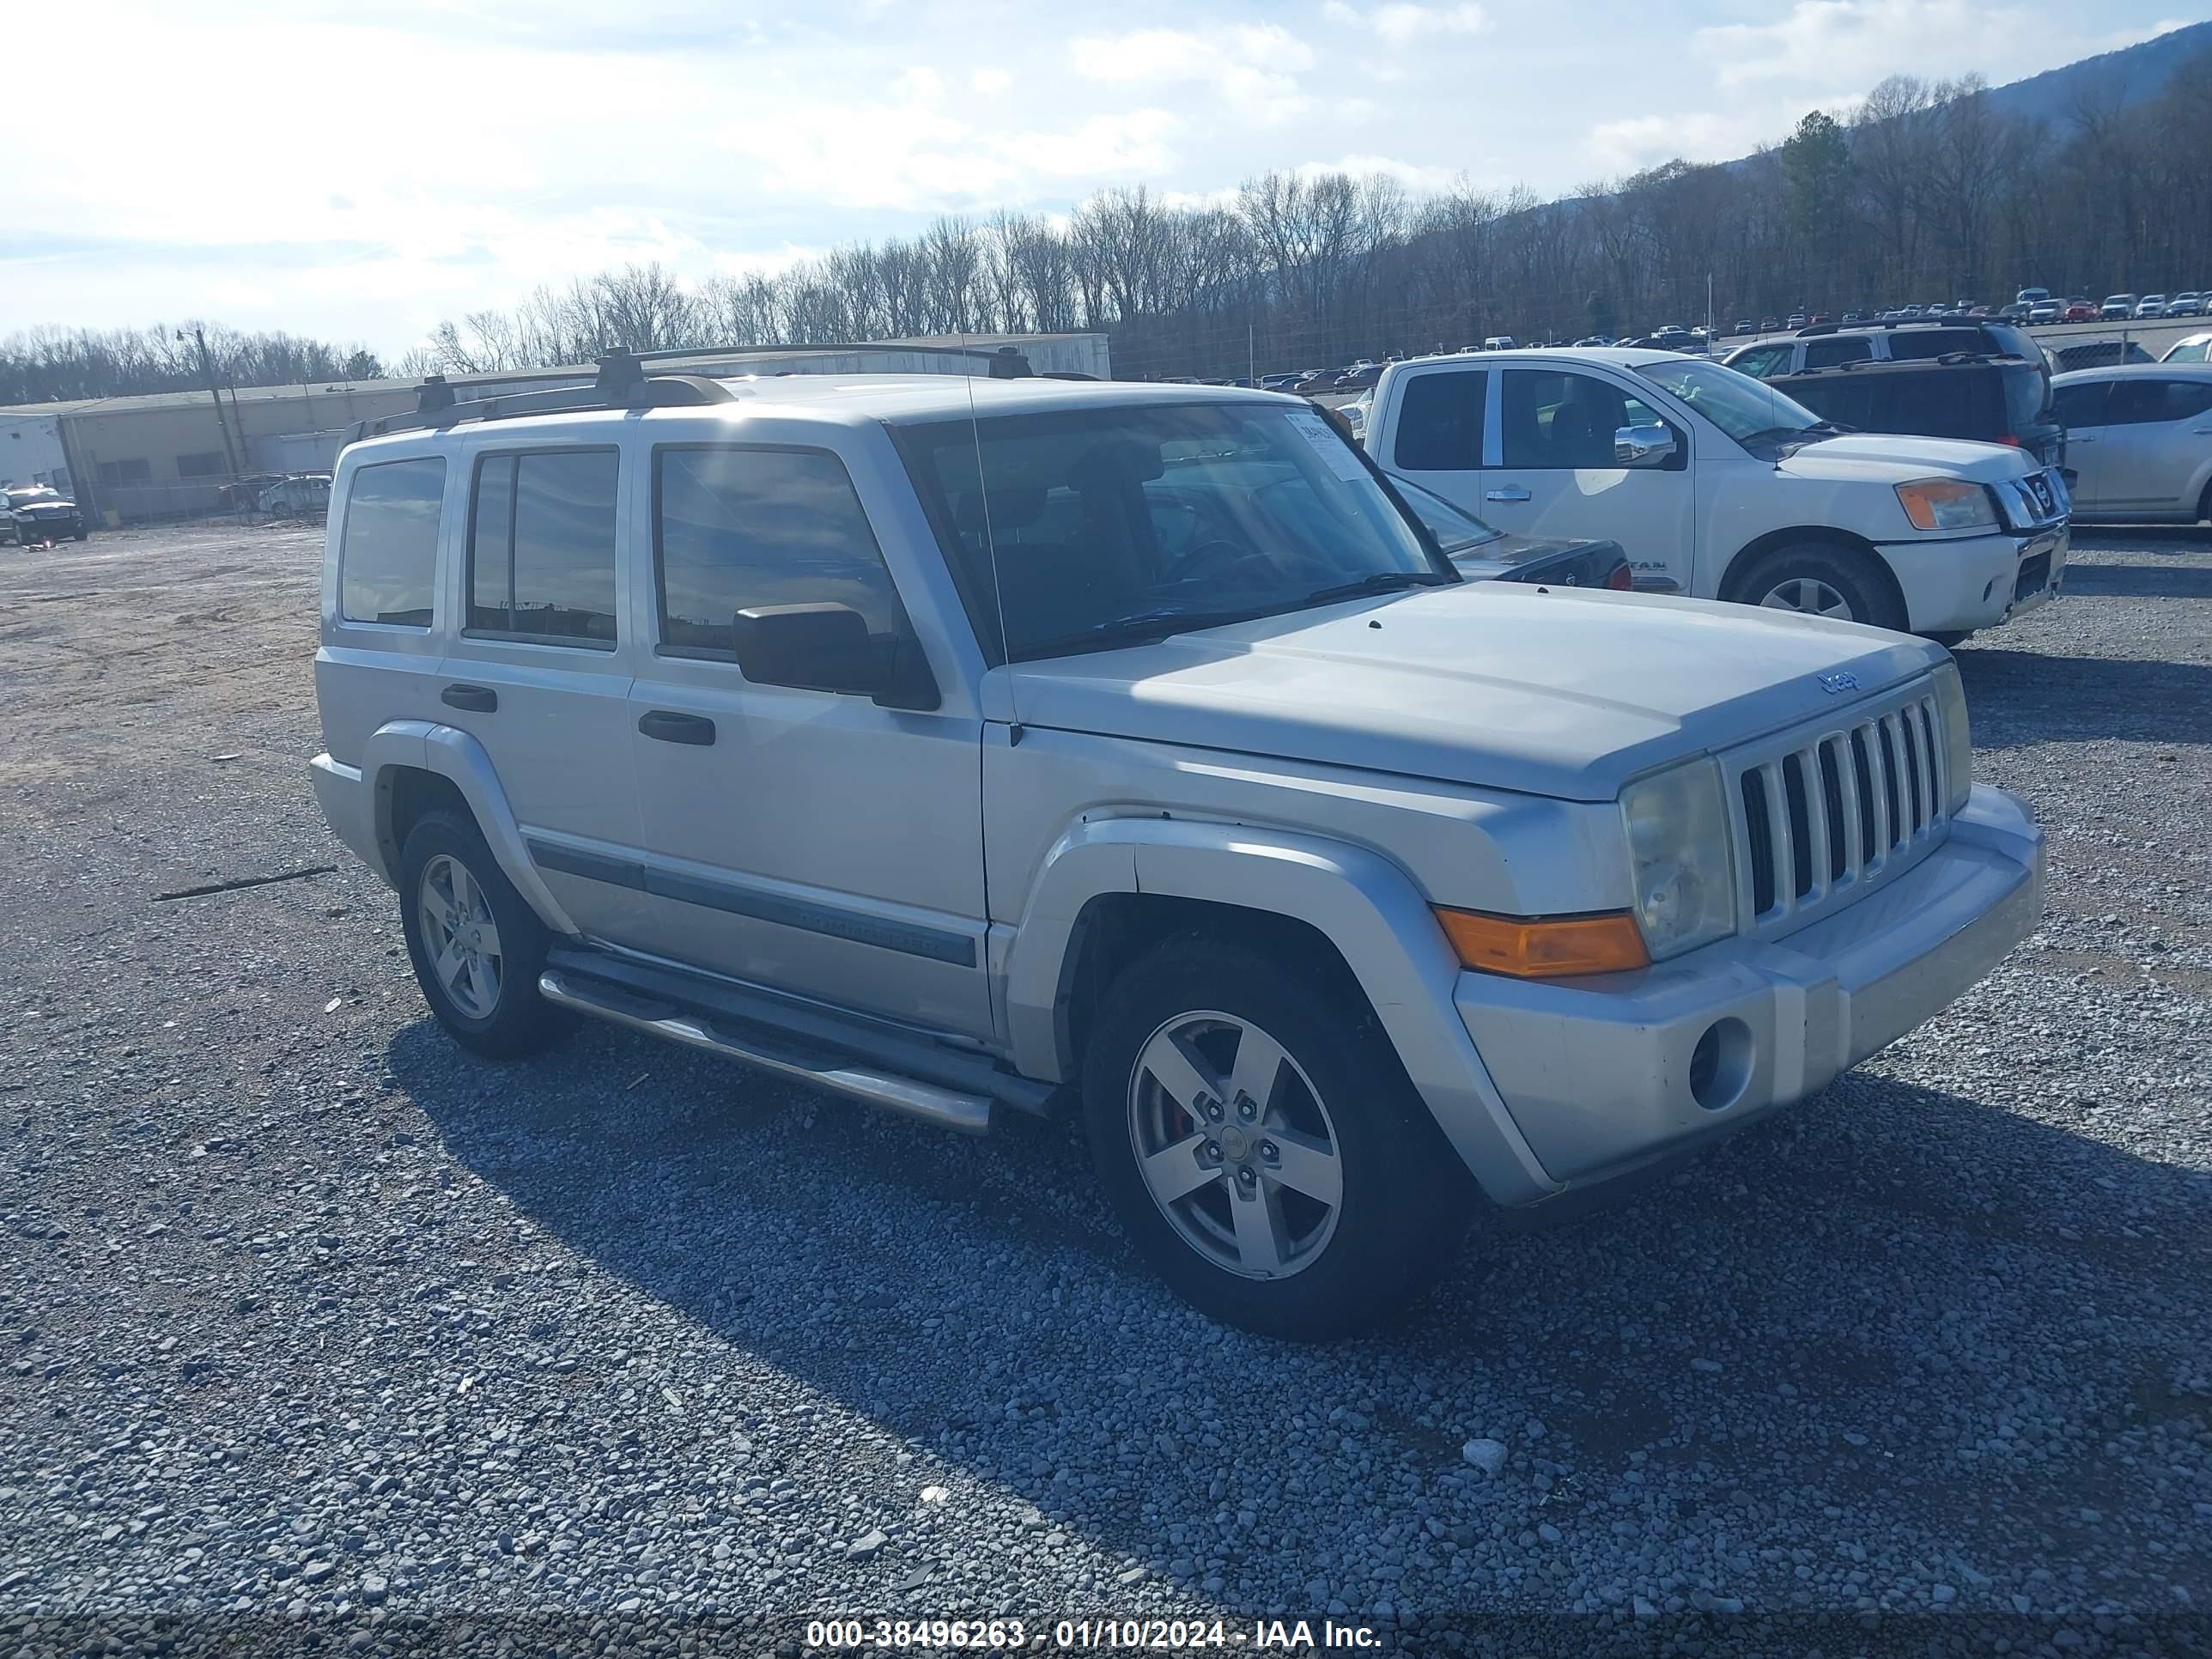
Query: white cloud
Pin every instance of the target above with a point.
(1253, 68)
(1637, 142)
(990, 81)
(1413, 175)
(1859, 42)
(1400, 23)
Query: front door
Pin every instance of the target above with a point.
(1550, 471)
(807, 841)
(1436, 439)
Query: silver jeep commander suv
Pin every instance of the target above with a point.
(1002, 742)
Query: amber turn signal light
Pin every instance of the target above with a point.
(1540, 947)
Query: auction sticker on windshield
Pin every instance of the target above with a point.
(1336, 454)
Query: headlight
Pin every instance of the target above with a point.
(1946, 504)
(1680, 847)
(1958, 739)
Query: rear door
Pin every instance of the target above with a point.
(1436, 437)
(540, 670)
(1550, 470)
(2158, 436)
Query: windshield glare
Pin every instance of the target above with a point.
(1092, 519)
(1743, 408)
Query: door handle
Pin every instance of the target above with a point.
(481, 698)
(1511, 493)
(669, 727)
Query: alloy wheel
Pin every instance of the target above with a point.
(461, 936)
(1809, 595)
(1235, 1145)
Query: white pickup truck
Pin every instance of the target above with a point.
(1720, 486)
(1017, 745)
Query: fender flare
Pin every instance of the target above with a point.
(453, 755)
(1361, 902)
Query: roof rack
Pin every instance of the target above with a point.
(621, 382)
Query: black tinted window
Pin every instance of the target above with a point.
(542, 547)
(2140, 402)
(1838, 349)
(2025, 396)
(388, 550)
(739, 528)
(1440, 423)
(1934, 342)
(2083, 404)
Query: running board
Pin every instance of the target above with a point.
(948, 1109)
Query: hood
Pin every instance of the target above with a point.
(1896, 457)
(1567, 694)
(47, 509)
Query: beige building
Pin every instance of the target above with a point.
(175, 454)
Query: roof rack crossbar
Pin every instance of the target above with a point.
(658, 392)
(1006, 362)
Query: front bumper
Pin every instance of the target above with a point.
(1604, 1075)
(1956, 586)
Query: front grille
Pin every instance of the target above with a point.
(1824, 814)
(2046, 499)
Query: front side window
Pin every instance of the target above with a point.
(1553, 420)
(1765, 363)
(542, 548)
(1440, 421)
(388, 549)
(1093, 527)
(740, 529)
(2081, 405)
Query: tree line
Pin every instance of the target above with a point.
(1927, 191)
(49, 365)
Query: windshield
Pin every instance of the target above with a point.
(1748, 411)
(2191, 350)
(1106, 525)
(32, 497)
(1454, 528)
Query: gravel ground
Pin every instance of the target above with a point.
(318, 1331)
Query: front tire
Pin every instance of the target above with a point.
(1822, 579)
(1260, 1141)
(477, 947)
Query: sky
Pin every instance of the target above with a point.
(357, 171)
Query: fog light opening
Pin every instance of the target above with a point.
(1720, 1065)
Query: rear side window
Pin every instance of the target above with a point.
(1440, 423)
(1934, 342)
(542, 548)
(735, 529)
(2024, 395)
(2143, 402)
(1841, 349)
(1942, 404)
(388, 550)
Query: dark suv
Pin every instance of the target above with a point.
(1829, 346)
(1998, 400)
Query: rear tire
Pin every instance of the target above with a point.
(1822, 578)
(477, 948)
(1260, 1141)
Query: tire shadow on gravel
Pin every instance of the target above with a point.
(1837, 1306)
(2032, 698)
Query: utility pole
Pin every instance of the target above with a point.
(207, 370)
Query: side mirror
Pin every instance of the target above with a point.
(827, 647)
(1643, 445)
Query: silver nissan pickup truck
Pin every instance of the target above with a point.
(981, 742)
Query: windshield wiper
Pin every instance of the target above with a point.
(1382, 582)
(1145, 627)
